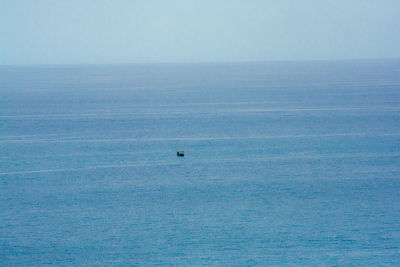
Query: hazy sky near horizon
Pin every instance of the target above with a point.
(130, 31)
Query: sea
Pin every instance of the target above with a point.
(286, 164)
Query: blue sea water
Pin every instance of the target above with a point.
(286, 164)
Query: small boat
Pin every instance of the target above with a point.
(180, 153)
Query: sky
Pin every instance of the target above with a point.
(145, 31)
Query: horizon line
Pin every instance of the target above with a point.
(199, 62)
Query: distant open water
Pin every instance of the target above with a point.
(286, 164)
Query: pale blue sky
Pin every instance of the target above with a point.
(122, 31)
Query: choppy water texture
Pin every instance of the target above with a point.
(285, 164)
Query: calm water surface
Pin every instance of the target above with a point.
(286, 164)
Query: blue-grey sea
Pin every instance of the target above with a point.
(286, 164)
